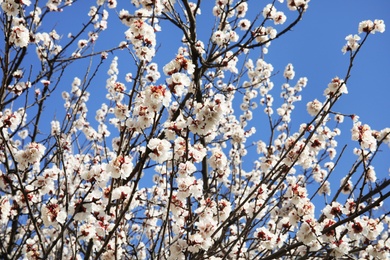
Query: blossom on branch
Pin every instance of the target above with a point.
(160, 150)
(184, 145)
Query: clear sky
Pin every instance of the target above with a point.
(313, 47)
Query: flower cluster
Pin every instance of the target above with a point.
(367, 27)
(264, 34)
(31, 154)
(160, 150)
(270, 12)
(208, 115)
(314, 107)
(219, 163)
(12, 119)
(141, 36)
(178, 64)
(178, 82)
(298, 4)
(223, 38)
(364, 135)
(336, 87)
(352, 43)
(19, 36)
(372, 27)
(156, 97)
(5, 209)
(120, 167)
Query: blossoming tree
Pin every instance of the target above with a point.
(157, 171)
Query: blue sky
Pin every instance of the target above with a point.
(313, 47)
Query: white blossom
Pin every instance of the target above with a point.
(160, 150)
(19, 36)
